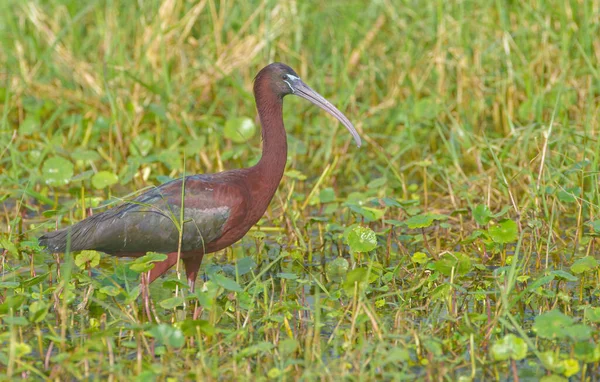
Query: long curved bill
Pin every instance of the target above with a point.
(303, 90)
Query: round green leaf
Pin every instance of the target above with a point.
(337, 269)
(377, 183)
(252, 350)
(592, 314)
(482, 214)
(362, 239)
(239, 129)
(553, 324)
(37, 311)
(104, 179)
(397, 355)
(566, 197)
(374, 213)
(141, 145)
(206, 296)
(423, 220)
(288, 346)
(245, 265)
(441, 292)
(504, 232)
(57, 171)
(571, 367)
(172, 302)
(327, 195)
(587, 352)
(585, 264)
(30, 125)
(91, 257)
(173, 284)
(580, 332)
(22, 349)
(370, 214)
(189, 327)
(509, 347)
(425, 109)
(358, 275)
(419, 258)
(551, 361)
(460, 262)
(145, 263)
(595, 226)
(274, 373)
(226, 283)
(133, 294)
(168, 335)
(11, 302)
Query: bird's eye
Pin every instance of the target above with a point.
(284, 77)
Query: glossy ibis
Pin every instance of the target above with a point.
(218, 209)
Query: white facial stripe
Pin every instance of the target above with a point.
(288, 84)
(292, 78)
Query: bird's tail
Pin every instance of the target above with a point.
(58, 241)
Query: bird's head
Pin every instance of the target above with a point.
(282, 80)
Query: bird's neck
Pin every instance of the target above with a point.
(267, 173)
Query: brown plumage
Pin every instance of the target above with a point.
(218, 208)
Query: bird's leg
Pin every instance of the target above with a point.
(146, 294)
(192, 265)
(162, 267)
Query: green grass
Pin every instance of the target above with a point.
(478, 178)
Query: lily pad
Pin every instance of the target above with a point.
(189, 327)
(145, 263)
(38, 311)
(172, 302)
(358, 275)
(167, 335)
(504, 232)
(553, 324)
(423, 220)
(87, 257)
(30, 125)
(592, 314)
(509, 347)
(482, 214)
(585, 264)
(587, 352)
(226, 283)
(362, 239)
(104, 179)
(419, 258)
(456, 262)
(57, 171)
(245, 265)
(337, 269)
(580, 332)
(327, 195)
